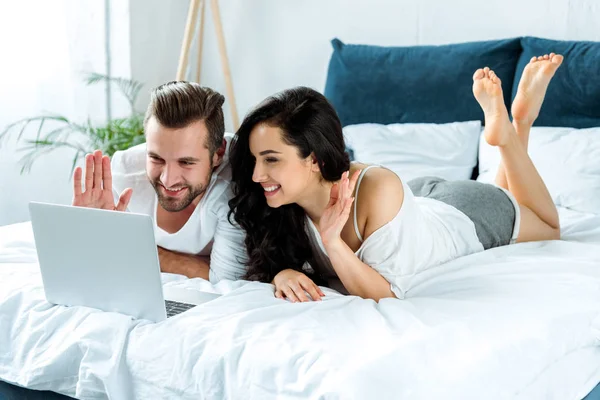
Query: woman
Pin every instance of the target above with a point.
(311, 215)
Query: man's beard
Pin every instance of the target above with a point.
(175, 204)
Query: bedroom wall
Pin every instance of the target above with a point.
(41, 73)
(272, 45)
(276, 44)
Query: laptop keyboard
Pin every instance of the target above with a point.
(174, 307)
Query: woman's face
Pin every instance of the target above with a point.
(285, 177)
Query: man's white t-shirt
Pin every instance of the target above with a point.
(208, 231)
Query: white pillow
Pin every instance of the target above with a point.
(448, 150)
(567, 159)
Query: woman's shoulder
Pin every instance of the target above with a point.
(380, 197)
(378, 180)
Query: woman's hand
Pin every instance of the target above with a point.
(293, 285)
(337, 211)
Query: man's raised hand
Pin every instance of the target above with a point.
(97, 191)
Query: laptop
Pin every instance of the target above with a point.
(106, 260)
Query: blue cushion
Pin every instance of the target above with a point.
(573, 97)
(594, 394)
(414, 84)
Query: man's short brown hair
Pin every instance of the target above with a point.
(177, 104)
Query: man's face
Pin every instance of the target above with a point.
(178, 164)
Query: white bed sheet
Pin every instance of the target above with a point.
(519, 322)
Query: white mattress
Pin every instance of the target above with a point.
(518, 322)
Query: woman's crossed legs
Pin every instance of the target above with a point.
(516, 173)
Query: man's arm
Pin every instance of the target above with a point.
(189, 265)
(228, 256)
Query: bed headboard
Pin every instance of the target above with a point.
(573, 97)
(433, 83)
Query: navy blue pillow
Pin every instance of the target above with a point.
(414, 84)
(573, 97)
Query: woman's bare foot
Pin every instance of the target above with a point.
(532, 87)
(487, 89)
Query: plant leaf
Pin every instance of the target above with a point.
(130, 88)
(23, 123)
(117, 134)
(76, 158)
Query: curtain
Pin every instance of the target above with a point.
(46, 47)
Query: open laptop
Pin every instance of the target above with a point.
(106, 260)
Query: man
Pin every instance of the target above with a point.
(180, 177)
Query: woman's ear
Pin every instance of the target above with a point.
(314, 165)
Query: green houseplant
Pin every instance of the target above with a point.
(81, 138)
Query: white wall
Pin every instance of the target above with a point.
(277, 44)
(156, 33)
(272, 45)
(46, 46)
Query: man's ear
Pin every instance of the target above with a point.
(218, 156)
(314, 165)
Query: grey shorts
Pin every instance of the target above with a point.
(493, 210)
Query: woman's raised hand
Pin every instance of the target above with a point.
(337, 211)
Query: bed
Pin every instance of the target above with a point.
(516, 322)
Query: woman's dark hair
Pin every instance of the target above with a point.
(276, 238)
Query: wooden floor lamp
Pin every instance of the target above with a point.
(195, 7)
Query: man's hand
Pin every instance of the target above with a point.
(98, 185)
(189, 265)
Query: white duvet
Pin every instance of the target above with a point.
(518, 322)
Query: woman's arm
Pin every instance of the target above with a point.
(356, 276)
(381, 198)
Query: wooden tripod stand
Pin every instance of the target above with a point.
(195, 7)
